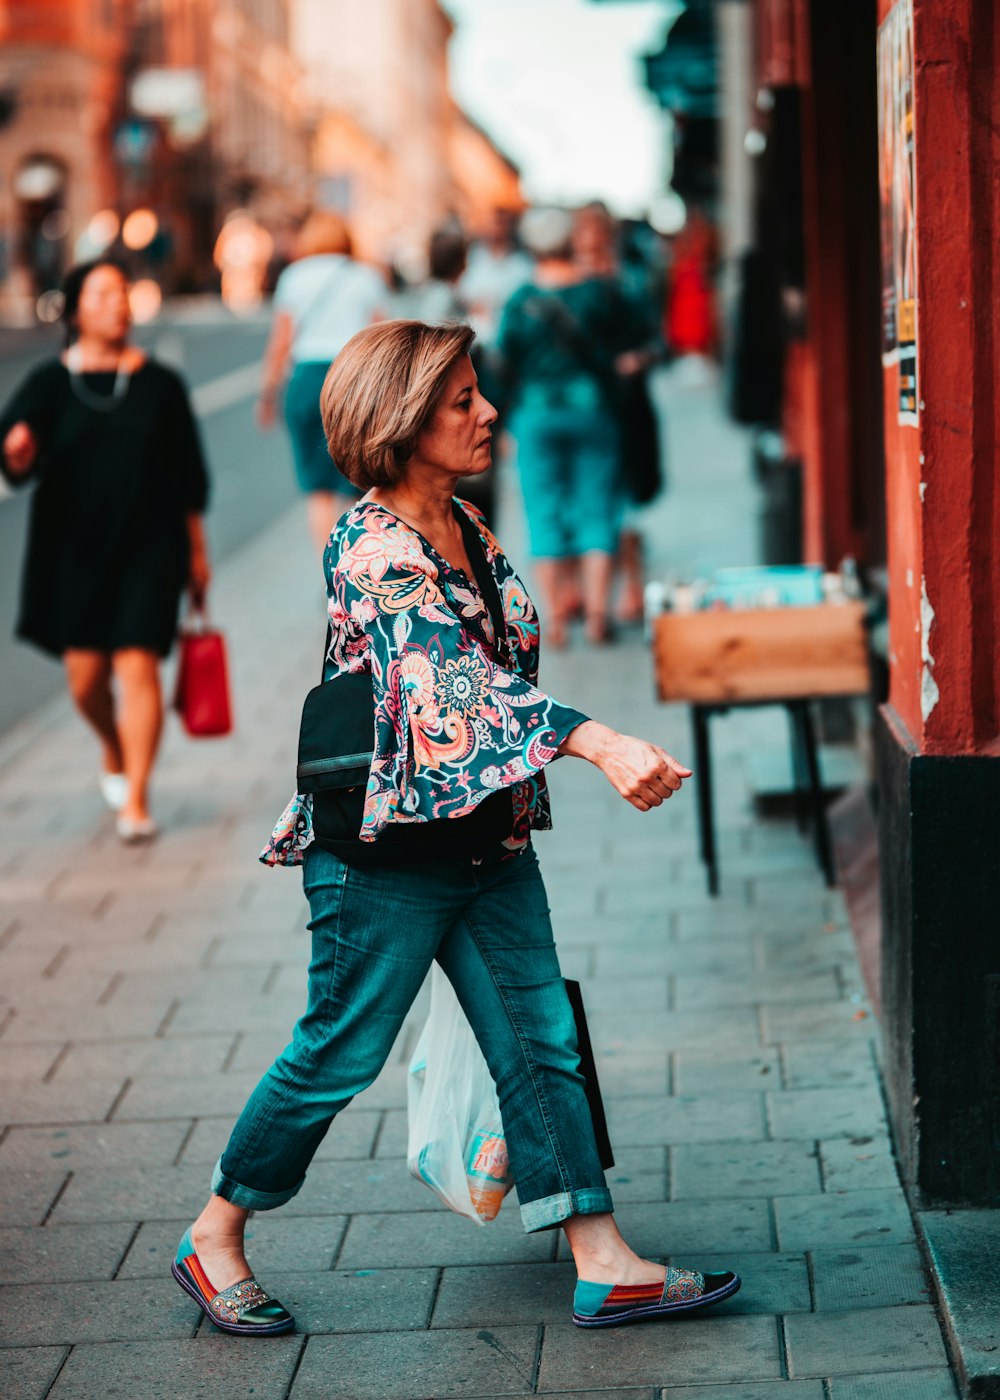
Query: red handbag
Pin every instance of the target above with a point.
(202, 695)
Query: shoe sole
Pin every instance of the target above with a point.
(660, 1309)
(235, 1329)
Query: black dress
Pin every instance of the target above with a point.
(107, 552)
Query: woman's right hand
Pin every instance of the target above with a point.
(267, 409)
(20, 448)
(643, 773)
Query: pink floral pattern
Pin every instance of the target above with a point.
(450, 724)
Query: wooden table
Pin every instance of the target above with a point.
(718, 660)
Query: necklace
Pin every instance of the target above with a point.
(102, 403)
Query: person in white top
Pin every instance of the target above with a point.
(320, 301)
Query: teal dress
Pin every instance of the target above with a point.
(559, 347)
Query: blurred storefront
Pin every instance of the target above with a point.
(194, 113)
(392, 150)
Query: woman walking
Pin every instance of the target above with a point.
(560, 338)
(116, 529)
(320, 300)
(453, 729)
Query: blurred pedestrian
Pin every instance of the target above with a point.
(435, 860)
(116, 525)
(561, 338)
(320, 300)
(597, 253)
(495, 268)
(690, 317)
(437, 300)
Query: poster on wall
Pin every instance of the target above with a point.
(897, 190)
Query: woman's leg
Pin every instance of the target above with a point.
(323, 509)
(363, 977)
(501, 960)
(88, 675)
(594, 506)
(140, 723)
(541, 466)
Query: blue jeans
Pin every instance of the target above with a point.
(568, 458)
(375, 934)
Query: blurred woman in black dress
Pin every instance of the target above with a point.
(116, 526)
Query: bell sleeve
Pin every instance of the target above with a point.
(451, 726)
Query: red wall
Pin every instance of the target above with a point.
(941, 475)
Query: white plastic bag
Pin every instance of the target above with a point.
(456, 1138)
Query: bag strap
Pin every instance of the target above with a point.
(487, 586)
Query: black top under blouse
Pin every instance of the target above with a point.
(107, 552)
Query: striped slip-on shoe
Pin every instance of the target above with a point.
(683, 1290)
(243, 1309)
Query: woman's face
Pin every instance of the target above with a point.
(458, 438)
(103, 310)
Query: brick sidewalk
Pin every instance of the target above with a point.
(144, 992)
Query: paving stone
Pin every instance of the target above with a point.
(708, 1074)
(130, 1193)
(441, 1238)
(826, 1113)
(59, 1103)
(724, 1169)
(305, 1244)
(707, 993)
(28, 1372)
(413, 1365)
(937, 1384)
(717, 921)
(92, 1145)
(841, 1020)
(62, 1253)
(655, 958)
(145, 1059)
(772, 1283)
(208, 1368)
(628, 994)
(849, 1218)
(853, 1343)
(27, 1196)
(656, 1031)
(686, 1352)
(203, 1096)
(858, 1163)
(502, 1295)
(770, 1390)
(40, 1314)
(620, 1073)
(86, 1022)
(829, 1066)
(877, 1277)
(357, 1300)
(28, 1062)
(703, 1227)
(278, 1012)
(361, 1187)
(686, 1119)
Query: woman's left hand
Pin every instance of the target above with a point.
(199, 577)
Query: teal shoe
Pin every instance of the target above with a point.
(243, 1309)
(683, 1290)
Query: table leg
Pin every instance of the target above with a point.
(800, 781)
(700, 715)
(824, 851)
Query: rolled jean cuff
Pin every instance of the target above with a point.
(245, 1196)
(553, 1210)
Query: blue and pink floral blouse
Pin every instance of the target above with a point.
(451, 726)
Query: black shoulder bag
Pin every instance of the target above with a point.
(336, 738)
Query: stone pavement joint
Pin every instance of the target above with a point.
(142, 992)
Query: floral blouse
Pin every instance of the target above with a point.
(451, 726)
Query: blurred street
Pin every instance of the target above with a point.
(144, 990)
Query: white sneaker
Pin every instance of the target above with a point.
(130, 830)
(114, 790)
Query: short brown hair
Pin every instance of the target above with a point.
(323, 232)
(380, 392)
